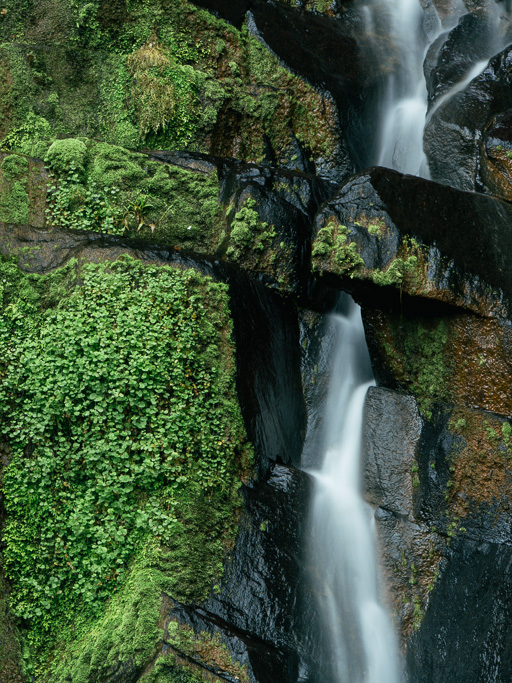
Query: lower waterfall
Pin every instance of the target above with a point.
(358, 633)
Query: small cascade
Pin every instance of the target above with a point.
(358, 632)
(400, 33)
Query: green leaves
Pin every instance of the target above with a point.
(113, 410)
(74, 205)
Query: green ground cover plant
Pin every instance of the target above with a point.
(155, 75)
(117, 399)
(109, 189)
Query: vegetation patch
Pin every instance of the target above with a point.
(254, 245)
(481, 469)
(118, 402)
(248, 233)
(337, 251)
(199, 657)
(417, 351)
(116, 191)
(333, 247)
(161, 76)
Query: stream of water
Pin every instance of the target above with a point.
(408, 29)
(357, 630)
(361, 643)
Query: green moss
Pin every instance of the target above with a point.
(66, 155)
(119, 377)
(418, 613)
(201, 651)
(395, 272)
(248, 233)
(163, 76)
(30, 136)
(14, 166)
(419, 355)
(14, 202)
(126, 192)
(10, 651)
(506, 431)
(332, 242)
(114, 166)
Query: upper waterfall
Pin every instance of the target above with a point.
(401, 34)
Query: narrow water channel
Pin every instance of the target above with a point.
(358, 632)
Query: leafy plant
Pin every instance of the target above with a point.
(73, 205)
(118, 402)
(138, 210)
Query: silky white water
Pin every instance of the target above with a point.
(359, 633)
(402, 32)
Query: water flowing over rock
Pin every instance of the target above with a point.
(459, 124)
(359, 638)
(259, 150)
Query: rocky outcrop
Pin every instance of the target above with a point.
(458, 123)
(421, 237)
(496, 156)
(441, 491)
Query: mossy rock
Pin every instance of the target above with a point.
(144, 198)
(23, 185)
(64, 155)
(205, 85)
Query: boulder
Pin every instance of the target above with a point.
(455, 126)
(471, 41)
(421, 237)
(496, 156)
(441, 489)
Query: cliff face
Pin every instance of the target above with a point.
(183, 194)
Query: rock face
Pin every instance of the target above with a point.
(161, 133)
(381, 218)
(442, 514)
(459, 124)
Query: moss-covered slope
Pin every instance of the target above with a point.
(126, 453)
(164, 75)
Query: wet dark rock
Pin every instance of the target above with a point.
(390, 420)
(409, 551)
(259, 610)
(442, 488)
(268, 371)
(286, 201)
(464, 241)
(318, 341)
(496, 156)
(454, 129)
(466, 634)
(469, 42)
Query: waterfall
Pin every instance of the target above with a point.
(400, 33)
(358, 632)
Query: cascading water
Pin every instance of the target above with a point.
(359, 634)
(357, 631)
(401, 33)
